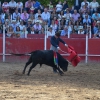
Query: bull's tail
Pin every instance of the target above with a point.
(20, 54)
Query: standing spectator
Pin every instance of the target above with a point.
(28, 5)
(12, 6)
(19, 6)
(59, 7)
(46, 16)
(93, 6)
(77, 4)
(65, 5)
(5, 6)
(37, 27)
(25, 17)
(75, 15)
(15, 14)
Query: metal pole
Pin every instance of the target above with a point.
(4, 43)
(90, 32)
(86, 52)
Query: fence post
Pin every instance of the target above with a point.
(3, 43)
(86, 51)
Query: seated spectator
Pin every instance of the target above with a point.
(37, 14)
(75, 15)
(22, 26)
(25, 17)
(88, 30)
(32, 30)
(7, 13)
(59, 7)
(62, 23)
(32, 19)
(80, 30)
(24, 33)
(46, 16)
(87, 20)
(96, 16)
(65, 31)
(55, 20)
(18, 21)
(10, 32)
(65, 5)
(29, 25)
(19, 6)
(70, 27)
(96, 27)
(84, 2)
(18, 32)
(50, 32)
(1, 27)
(60, 14)
(76, 26)
(5, 6)
(53, 14)
(14, 25)
(12, 6)
(36, 6)
(2, 17)
(16, 14)
(93, 6)
(97, 34)
(54, 26)
(28, 5)
(37, 27)
(50, 5)
(40, 19)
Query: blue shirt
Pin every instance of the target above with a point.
(55, 41)
(36, 5)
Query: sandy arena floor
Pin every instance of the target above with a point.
(80, 83)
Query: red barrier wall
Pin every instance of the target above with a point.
(14, 45)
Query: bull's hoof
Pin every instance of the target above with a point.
(61, 73)
(23, 72)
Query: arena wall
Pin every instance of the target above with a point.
(17, 45)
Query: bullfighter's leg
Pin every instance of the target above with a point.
(33, 65)
(29, 61)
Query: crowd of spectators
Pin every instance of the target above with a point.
(30, 18)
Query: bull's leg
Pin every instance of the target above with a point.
(29, 61)
(33, 65)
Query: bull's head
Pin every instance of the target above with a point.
(64, 65)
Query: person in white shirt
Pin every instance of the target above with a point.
(37, 14)
(12, 6)
(19, 6)
(81, 31)
(59, 7)
(50, 32)
(22, 26)
(46, 16)
(84, 2)
(93, 6)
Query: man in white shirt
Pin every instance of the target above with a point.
(93, 6)
(46, 16)
(12, 6)
(84, 2)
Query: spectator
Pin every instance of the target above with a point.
(6, 25)
(16, 14)
(32, 19)
(96, 16)
(32, 30)
(37, 14)
(53, 14)
(10, 32)
(12, 6)
(65, 31)
(1, 27)
(97, 34)
(18, 32)
(54, 26)
(50, 5)
(62, 23)
(28, 5)
(37, 27)
(2, 17)
(77, 4)
(87, 20)
(24, 33)
(93, 6)
(25, 17)
(84, 2)
(76, 26)
(46, 16)
(40, 19)
(22, 26)
(5, 6)
(70, 27)
(65, 5)
(61, 14)
(59, 7)
(80, 30)
(50, 32)
(18, 21)
(36, 6)
(19, 6)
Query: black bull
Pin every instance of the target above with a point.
(46, 57)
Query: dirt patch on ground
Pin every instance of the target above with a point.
(80, 83)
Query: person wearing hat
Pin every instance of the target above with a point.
(55, 44)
